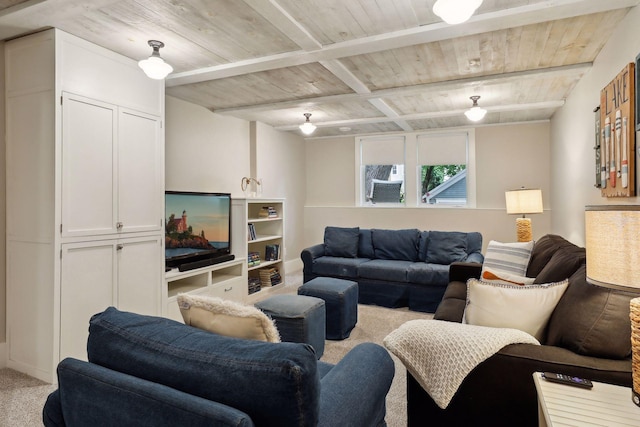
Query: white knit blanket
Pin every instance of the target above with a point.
(440, 354)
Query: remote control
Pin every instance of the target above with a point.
(567, 379)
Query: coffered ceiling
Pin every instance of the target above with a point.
(359, 66)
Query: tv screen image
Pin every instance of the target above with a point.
(197, 226)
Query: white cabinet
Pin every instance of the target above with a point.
(85, 188)
(111, 157)
(103, 273)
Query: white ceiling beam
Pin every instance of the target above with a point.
(340, 71)
(432, 115)
(283, 21)
(576, 70)
(492, 21)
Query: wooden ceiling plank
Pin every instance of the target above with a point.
(281, 19)
(571, 70)
(432, 115)
(502, 19)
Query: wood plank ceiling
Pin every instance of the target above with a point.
(359, 66)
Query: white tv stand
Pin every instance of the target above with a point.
(226, 280)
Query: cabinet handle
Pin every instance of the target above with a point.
(119, 246)
(119, 225)
(228, 289)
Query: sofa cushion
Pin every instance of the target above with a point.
(527, 308)
(563, 263)
(396, 244)
(382, 269)
(341, 241)
(542, 252)
(423, 244)
(428, 274)
(251, 376)
(365, 245)
(226, 317)
(474, 242)
(511, 258)
(446, 247)
(592, 320)
(337, 267)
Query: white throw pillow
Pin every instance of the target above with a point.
(527, 308)
(509, 258)
(228, 318)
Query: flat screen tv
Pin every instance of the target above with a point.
(197, 229)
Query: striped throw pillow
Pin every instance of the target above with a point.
(509, 258)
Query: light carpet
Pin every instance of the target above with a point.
(22, 397)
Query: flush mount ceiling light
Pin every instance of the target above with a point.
(475, 113)
(455, 11)
(307, 127)
(154, 66)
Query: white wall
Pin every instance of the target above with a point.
(572, 135)
(507, 157)
(204, 151)
(280, 164)
(210, 152)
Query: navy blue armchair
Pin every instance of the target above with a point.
(145, 370)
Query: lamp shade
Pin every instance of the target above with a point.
(524, 201)
(613, 244)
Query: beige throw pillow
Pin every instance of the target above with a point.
(228, 318)
(524, 307)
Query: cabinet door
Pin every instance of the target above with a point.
(88, 181)
(86, 288)
(140, 171)
(140, 270)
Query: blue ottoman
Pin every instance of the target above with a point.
(298, 319)
(341, 300)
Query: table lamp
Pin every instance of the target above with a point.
(520, 202)
(613, 244)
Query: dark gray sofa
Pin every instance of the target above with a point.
(588, 335)
(393, 268)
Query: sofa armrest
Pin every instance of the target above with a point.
(463, 271)
(353, 393)
(309, 254)
(454, 300)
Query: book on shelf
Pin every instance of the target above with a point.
(253, 259)
(269, 277)
(272, 252)
(251, 231)
(268, 212)
(254, 285)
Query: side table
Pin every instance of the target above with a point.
(603, 405)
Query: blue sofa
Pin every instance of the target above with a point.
(393, 268)
(152, 371)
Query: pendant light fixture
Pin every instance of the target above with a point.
(154, 66)
(455, 11)
(475, 113)
(307, 127)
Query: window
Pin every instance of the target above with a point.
(382, 170)
(442, 169)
